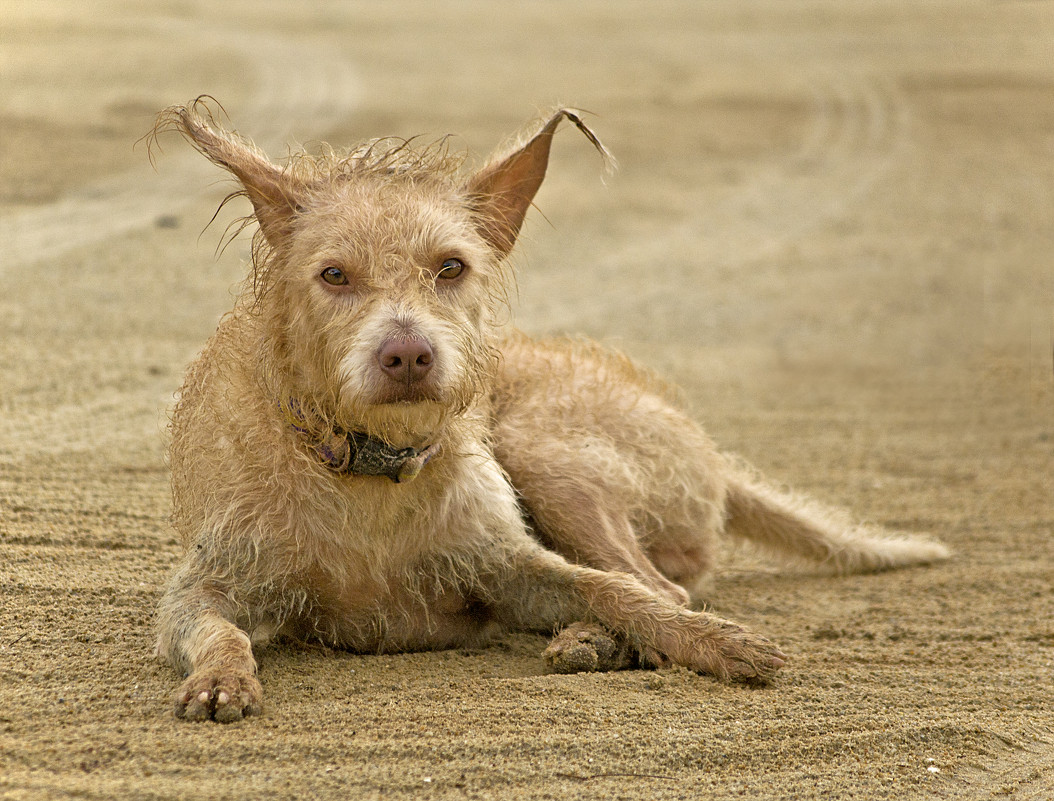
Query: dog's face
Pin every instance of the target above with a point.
(389, 299)
(380, 275)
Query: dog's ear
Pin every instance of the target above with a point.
(501, 192)
(268, 187)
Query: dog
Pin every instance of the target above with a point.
(365, 453)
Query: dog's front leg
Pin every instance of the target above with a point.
(197, 636)
(540, 589)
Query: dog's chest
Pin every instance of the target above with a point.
(408, 610)
(399, 569)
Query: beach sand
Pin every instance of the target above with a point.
(833, 226)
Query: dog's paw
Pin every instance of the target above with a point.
(585, 648)
(734, 653)
(223, 695)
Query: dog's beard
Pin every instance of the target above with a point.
(409, 415)
(415, 413)
(401, 425)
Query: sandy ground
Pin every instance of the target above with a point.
(833, 226)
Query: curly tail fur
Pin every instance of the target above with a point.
(800, 528)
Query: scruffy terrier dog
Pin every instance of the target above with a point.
(365, 454)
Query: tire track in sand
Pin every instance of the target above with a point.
(859, 129)
(295, 82)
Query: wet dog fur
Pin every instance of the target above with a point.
(564, 489)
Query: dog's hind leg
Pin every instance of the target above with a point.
(612, 473)
(579, 514)
(197, 635)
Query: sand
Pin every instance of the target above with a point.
(833, 227)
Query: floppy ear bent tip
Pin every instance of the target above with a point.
(502, 192)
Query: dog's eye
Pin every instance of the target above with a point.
(334, 276)
(451, 268)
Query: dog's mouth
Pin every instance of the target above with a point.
(407, 394)
(404, 407)
(401, 416)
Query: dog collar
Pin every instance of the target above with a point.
(359, 454)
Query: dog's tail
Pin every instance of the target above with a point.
(796, 527)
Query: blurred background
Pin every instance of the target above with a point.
(892, 159)
(832, 226)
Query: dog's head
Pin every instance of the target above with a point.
(380, 274)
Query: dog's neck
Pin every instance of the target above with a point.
(357, 453)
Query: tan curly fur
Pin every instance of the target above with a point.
(568, 484)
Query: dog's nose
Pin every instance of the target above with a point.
(406, 360)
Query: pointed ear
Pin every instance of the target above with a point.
(268, 187)
(501, 192)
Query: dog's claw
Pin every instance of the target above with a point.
(223, 696)
(755, 661)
